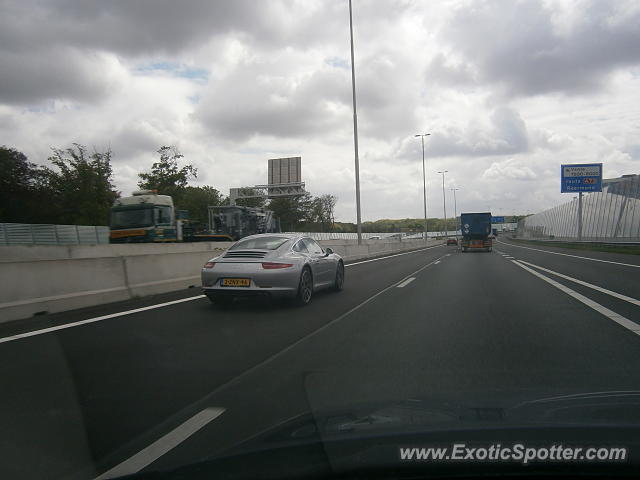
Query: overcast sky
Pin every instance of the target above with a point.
(508, 90)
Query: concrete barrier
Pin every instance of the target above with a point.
(52, 279)
(57, 278)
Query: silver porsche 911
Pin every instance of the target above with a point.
(275, 265)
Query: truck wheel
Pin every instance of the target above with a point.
(305, 288)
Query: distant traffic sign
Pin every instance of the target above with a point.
(581, 177)
(497, 219)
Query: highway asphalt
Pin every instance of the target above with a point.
(479, 329)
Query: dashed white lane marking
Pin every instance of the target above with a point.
(391, 256)
(168, 442)
(619, 319)
(574, 256)
(586, 284)
(306, 338)
(406, 282)
(195, 423)
(95, 319)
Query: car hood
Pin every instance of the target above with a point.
(586, 409)
(366, 438)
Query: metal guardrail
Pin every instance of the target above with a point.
(610, 216)
(44, 234)
(343, 236)
(582, 242)
(367, 236)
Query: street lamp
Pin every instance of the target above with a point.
(444, 204)
(355, 131)
(455, 207)
(424, 183)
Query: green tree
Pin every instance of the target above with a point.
(293, 212)
(197, 199)
(19, 187)
(319, 213)
(167, 176)
(314, 216)
(81, 189)
(342, 227)
(328, 203)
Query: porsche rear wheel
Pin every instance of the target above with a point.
(305, 288)
(339, 281)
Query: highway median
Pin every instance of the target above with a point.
(90, 275)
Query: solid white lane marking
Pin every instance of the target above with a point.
(93, 292)
(586, 284)
(619, 319)
(391, 256)
(164, 444)
(95, 319)
(574, 256)
(406, 282)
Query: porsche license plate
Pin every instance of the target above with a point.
(236, 282)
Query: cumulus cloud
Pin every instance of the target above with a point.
(503, 132)
(58, 73)
(508, 90)
(259, 99)
(532, 48)
(549, 139)
(633, 151)
(128, 28)
(509, 169)
(445, 70)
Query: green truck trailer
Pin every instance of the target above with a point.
(148, 217)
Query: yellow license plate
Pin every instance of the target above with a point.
(236, 282)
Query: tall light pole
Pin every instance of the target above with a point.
(455, 207)
(355, 130)
(424, 183)
(444, 204)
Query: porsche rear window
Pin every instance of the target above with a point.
(260, 243)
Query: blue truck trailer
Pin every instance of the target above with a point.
(476, 231)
